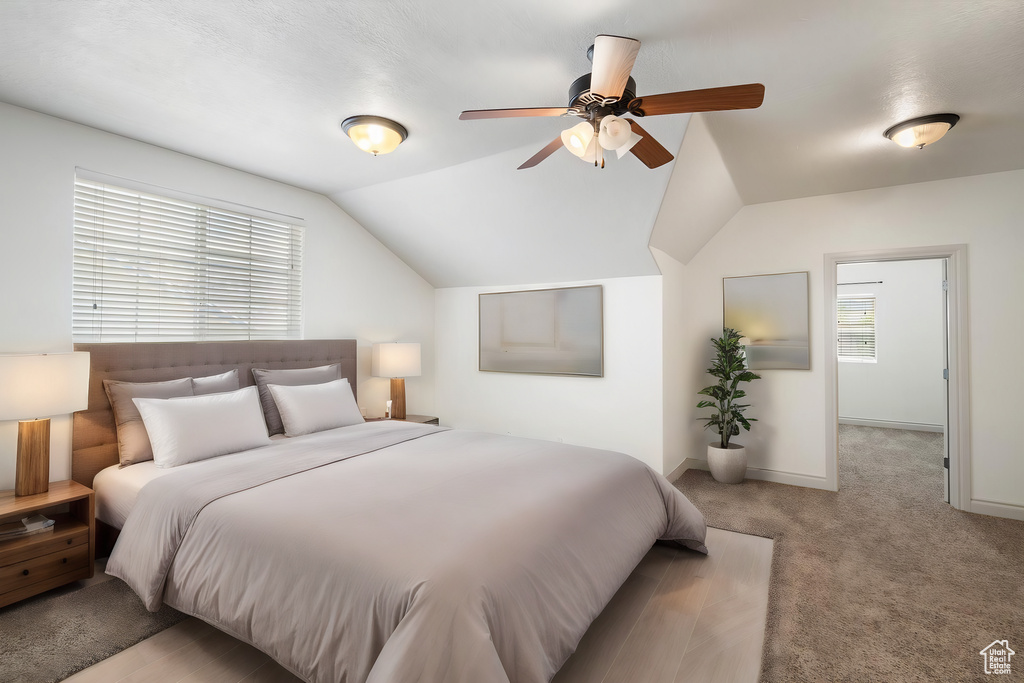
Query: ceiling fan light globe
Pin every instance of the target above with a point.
(614, 132)
(578, 138)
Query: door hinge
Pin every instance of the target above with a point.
(945, 463)
(945, 373)
(945, 285)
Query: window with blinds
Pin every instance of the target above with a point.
(856, 328)
(152, 268)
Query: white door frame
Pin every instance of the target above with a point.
(958, 387)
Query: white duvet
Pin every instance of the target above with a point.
(391, 552)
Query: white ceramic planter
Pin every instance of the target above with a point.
(727, 465)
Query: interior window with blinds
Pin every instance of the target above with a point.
(856, 328)
(152, 268)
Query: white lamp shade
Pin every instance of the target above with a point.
(42, 385)
(396, 359)
(615, 132)
(578, 138)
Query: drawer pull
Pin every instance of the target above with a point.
(24, 572)
(64, 560)
(69, 541)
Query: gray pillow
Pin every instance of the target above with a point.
(215, 384)
(132, 439)
(288, 378)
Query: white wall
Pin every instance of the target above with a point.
(678, 416)
(621, 411)
(905, 385)
(982, 211)
(352, 286)
(701, 196)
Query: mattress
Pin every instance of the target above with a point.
(117, 488)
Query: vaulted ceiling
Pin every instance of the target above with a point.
(263, 86)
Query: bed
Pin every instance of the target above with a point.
(382, 551)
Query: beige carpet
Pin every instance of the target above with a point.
(51, 636)
(881, 581)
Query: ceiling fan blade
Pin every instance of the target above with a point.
(747, 96)
(649, 150)
(543, 154)
(510, 113)
(613, 60)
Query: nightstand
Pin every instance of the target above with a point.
(421, 419)
(37, 563)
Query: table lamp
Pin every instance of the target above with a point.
(34, 387)
(397, 361)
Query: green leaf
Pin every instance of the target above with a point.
(729, 367)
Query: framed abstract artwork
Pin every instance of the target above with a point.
(771, 312)
(543, 331)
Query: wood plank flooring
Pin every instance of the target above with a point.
(679, 617)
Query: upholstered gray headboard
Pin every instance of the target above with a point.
(94, 440)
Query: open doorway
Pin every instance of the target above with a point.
(957, 422)
(891, 348)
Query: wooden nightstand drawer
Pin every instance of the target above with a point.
(66, 534)
(43, 567)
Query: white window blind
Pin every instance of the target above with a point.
(151, 268)
(856, 328)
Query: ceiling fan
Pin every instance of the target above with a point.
(603, 96)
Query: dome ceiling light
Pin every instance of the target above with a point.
(374, 134)
(924, 130)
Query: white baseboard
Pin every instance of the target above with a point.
(791, 478)
(683, 466)
(993, 509)
(779, 477)
(888, 424)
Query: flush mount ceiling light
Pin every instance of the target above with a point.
(374, 134)
(924, 130)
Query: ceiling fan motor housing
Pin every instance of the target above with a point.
(582, 102)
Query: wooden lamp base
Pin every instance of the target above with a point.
(397, 398)
(33, 473)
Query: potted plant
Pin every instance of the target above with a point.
(727, 461)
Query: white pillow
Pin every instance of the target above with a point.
(199, 427)
(312, 408)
